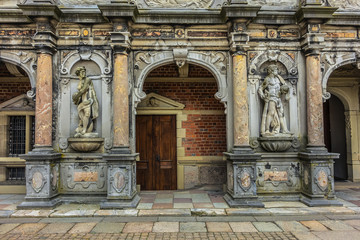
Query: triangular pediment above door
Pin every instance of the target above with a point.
(19, 103)
(156, 101)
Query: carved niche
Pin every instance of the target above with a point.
(214, 61)
(99, 69)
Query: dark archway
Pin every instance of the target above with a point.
(335, 135)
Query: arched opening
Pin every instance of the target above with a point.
(335, 136)
(341, 120)
(181, 119)
(17, 126)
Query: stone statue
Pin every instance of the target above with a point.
(87, 105)
(273, 122)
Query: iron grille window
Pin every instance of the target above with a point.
(32, 133)
(15, 174)
(17, 135)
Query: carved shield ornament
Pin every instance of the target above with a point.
(37, 181)
(322, 179)
(119, 181)
(244, 179)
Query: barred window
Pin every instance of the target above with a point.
(15, 174)
(21, 134)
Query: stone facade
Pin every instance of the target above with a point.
(142, 57)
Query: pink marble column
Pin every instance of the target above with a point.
(121, 100)
(241, 111)
(315, 124)
(43, 111)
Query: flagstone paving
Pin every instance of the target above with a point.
(193, 214)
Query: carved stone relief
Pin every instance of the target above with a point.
(278, 176)
(290, 3)
(54, 177)
(345, 4)
(322, 178)
(83, 177)
(119, 180)
(332, 61)
(37, 180)
(179, 3)
(244, 179)
(213, 61)
(24, 59)
(122, 180)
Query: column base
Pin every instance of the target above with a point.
(120, 150)
(39, 203)
(319, 202)
(121, 203)
(243, 202)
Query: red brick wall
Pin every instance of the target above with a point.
(10, 90)
(205, 135)
(171, 70)
(194, 95)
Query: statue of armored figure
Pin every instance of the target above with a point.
(87, 105)
(273, 122)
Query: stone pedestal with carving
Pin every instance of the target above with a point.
(42, 179)
(241, 186)
(121, 181)
(318, 178)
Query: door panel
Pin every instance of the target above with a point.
(158, 150)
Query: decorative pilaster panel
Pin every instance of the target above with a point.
(314, 102)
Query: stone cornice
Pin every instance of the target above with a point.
(240, 11)
(39, 10)
(315, 12)
(12, 15)
(118, 10)
(345, 18)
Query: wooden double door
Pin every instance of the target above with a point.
(156, 144)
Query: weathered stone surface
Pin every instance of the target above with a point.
(345, 4)
(32, 213)
(314, 226)
(353, 223)
(247, 211)
(336, 235)
(7, 227)
(138, 227)
(28, 228)
(305, 236)
(166, 227)
(266, 227)
(165, 212)
(120, 213)
(281, 204)
(57, 228)
(207, 212)
(291, 226)
(212, 175)
(336, 225)
(73, 213)
(191, 176)
(242, 227)
(218, 227)
(108, 227)
(192, 227)
(82, 227)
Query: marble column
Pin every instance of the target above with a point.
(43, 111)
(317, 162)
(240, 100)
(241, 162)
(121, 100)
(315, 124)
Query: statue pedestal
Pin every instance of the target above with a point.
(276, 143)
(42, 179)
(241, 186)
(318, 178)
(85, 144)
(121, 181)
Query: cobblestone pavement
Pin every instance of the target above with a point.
(185, 215)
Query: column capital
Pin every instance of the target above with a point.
(313, 43)
(120, 42)
(239, 43)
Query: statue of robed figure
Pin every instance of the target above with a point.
(87, 105)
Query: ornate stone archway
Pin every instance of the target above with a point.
(214, 61)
